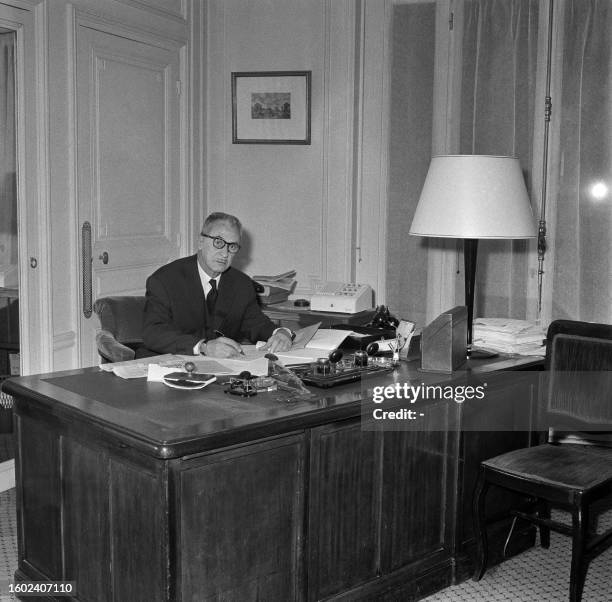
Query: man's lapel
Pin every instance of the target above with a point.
(197, 296)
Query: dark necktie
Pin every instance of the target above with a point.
(211, 298)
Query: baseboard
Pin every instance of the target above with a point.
(7, 475)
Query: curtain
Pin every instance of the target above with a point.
(8, 163)
(498, 83)
(582, 238)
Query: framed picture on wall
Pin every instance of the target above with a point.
(271, 107)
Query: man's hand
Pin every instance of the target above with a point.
(279, 341)
(222, 347)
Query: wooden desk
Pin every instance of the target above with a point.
(137, 491)
(287, 314)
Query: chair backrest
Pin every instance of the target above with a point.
(578, 389)
(122, 316)
(576, 327)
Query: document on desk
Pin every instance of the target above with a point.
(314, 337)
(257, 366)
(310, 343)
(301, 356)
(327, 339)
(139, 368)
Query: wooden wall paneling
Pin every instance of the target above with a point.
(417, 496)
(138, 499)
(86, 531)
(86, 516)
(241, 523)
(344, 502)
(40, 496)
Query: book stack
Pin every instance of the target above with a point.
(506, 335)
(275, 288)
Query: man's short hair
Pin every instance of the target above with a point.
(219, 216)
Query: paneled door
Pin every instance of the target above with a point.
(128, 165)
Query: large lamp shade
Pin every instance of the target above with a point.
(474, 197)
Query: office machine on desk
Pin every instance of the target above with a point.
(342, 297)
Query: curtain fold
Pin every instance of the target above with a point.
(497, 118)
(8, 163)
(582, 247)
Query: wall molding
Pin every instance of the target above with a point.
(64, 340)
(337, 216)
(152, 36)
(371, 168)
(29, 20)
(160, 7)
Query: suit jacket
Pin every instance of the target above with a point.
(175, 316)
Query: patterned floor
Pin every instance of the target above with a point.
(536, 576)
(8, 543)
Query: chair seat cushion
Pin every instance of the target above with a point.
(578, 467)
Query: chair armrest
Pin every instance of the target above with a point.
(110, 349)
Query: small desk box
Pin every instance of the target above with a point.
(444, 341)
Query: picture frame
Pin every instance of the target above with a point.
(271, 107)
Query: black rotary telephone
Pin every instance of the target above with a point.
(383, 318)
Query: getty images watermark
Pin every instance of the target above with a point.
(410, 406)
(501, 401)
(461, 401)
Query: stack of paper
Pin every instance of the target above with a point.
(507, 335)
(276, 288)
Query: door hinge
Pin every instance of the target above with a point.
(179, 87)
(451, 20)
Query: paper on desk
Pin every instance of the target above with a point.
(257, 366)
(327, 339)
(304, 335)
(302, 338)
(301, 356)
(140, 368)
(156, 373)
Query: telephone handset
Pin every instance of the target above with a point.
(383, 318)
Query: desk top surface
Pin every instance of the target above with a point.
(167, 422)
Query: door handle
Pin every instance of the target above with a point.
(104, 257)
(86, 267)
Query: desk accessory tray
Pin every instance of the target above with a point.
(338, 376)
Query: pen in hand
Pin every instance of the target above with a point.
(220, 334)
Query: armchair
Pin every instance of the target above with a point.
(120, 331)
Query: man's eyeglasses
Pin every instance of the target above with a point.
(220, 243)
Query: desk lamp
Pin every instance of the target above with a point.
(473, 197)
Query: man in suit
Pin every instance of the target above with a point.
(201, 305)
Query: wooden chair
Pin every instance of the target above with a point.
(574, 468)
(120, 333)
